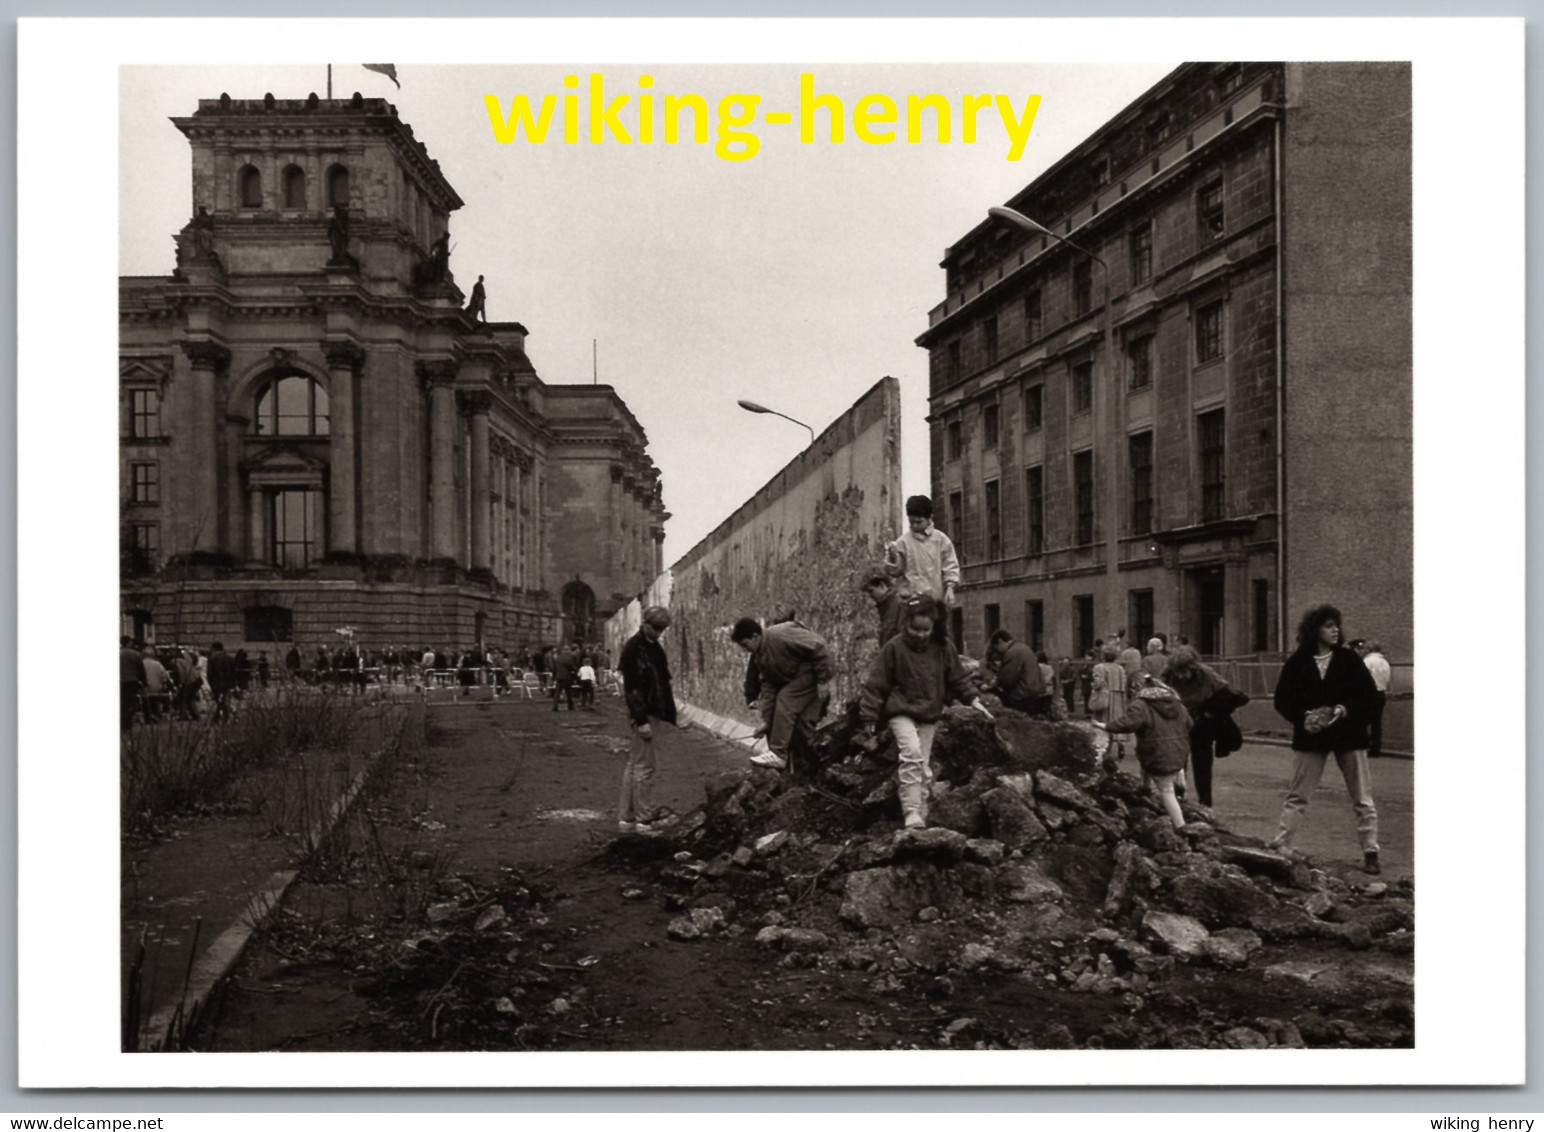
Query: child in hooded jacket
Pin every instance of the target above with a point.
(910, 681)
(1162, 728)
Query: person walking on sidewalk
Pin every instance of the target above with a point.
(645, 672)
(1209, 701)
(796, 673)
(1372, 656)
(565, 673)
(1327, 694)
(908, 684)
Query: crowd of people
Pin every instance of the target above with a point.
(186, 683)
(1173, 712)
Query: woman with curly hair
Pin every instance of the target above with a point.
(1327, 694)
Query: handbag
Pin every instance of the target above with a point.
(1099, 700)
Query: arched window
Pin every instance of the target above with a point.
(249, 184)
(292, 405)
(294, 187)
(337, 186)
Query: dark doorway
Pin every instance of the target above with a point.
(578, 612)
(1207, 609)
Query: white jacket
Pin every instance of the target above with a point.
(926, 562)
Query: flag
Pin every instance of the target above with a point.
(387, 69)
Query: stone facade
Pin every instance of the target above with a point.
(316, 434)
(798, 545)
(1206, 429)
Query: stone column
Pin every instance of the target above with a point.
(441, 377)
(616, 550)
(476, 403)
(257, 548)
(524, 516)
(344, 360)
(208, 359)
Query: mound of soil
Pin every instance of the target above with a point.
(1050, 905)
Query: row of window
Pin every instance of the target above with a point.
(296, 526)
(1139, 376)
(293, 405)
(1212, 465)
(295, 195)
(1211, 225)
(1139, 618)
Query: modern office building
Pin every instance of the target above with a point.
(316, 434)
(1187, 408)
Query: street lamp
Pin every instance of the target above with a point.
(1110, 399)
(753, 407)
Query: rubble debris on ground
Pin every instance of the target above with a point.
(1050, 905)
(1049, 871)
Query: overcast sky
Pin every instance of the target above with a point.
(797, 278)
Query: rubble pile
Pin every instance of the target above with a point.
(1048, 879)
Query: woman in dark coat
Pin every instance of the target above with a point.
(1198, 687)
(1327, 694)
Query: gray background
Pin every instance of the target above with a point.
(1495, 638)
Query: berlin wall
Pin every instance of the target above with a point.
(799, 544)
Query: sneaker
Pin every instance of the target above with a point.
(1370, 863)
(915, 821)
(771, 759)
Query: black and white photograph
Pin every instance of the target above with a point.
(764, 554)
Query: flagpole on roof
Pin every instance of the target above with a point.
(329, 82)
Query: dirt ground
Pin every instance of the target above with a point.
(481, 899)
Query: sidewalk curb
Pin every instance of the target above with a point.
(729, 730)
(221, 956)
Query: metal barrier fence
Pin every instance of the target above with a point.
(1258, 677)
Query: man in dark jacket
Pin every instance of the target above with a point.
(131, 678)
(645, 675)
(1019, 683)
(565, 673)
(1327, 694)
(888, 601)
(222, 680)
(796, 673)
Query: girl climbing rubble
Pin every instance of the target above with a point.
(1162, 727)
(908, 684)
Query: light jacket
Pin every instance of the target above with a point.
(925, 562)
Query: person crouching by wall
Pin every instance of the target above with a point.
(1162, 728)
(795, 671)
(908, 685)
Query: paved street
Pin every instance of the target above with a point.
(1248, 787)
